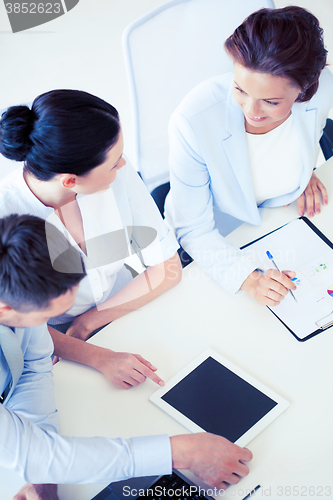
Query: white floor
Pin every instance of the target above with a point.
(82, 49)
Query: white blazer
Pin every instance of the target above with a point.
(210, 175)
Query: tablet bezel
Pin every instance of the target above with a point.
(252, 432)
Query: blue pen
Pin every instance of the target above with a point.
(270, 256)
(252, 493)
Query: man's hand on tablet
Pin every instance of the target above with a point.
(213, 458)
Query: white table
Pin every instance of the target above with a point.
(294, 451)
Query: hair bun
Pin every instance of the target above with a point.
(15, 127)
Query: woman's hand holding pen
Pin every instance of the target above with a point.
(269, 288)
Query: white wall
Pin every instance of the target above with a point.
(82, 50)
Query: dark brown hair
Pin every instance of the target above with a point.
(29, 279)
(65, 131)
(284, 42)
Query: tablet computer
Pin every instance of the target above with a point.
(212, 394)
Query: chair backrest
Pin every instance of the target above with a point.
(167, 52)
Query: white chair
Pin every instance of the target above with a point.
(167, 52)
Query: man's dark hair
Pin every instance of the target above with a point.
(37, 264)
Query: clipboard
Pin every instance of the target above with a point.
(324, 318)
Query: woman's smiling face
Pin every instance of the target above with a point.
(266, 100)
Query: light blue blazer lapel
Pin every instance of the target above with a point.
(235, 148)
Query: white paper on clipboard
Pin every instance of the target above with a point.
(297, 247)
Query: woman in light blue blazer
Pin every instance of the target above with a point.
(242, 141)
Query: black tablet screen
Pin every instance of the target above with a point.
(218, 400)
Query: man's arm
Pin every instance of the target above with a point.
(45, 457)
(41, 456)
(214, 459)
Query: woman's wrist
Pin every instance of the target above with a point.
(101, 358)
(249, 285)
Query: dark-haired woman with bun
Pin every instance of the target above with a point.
(248, 140)
(74, 176)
